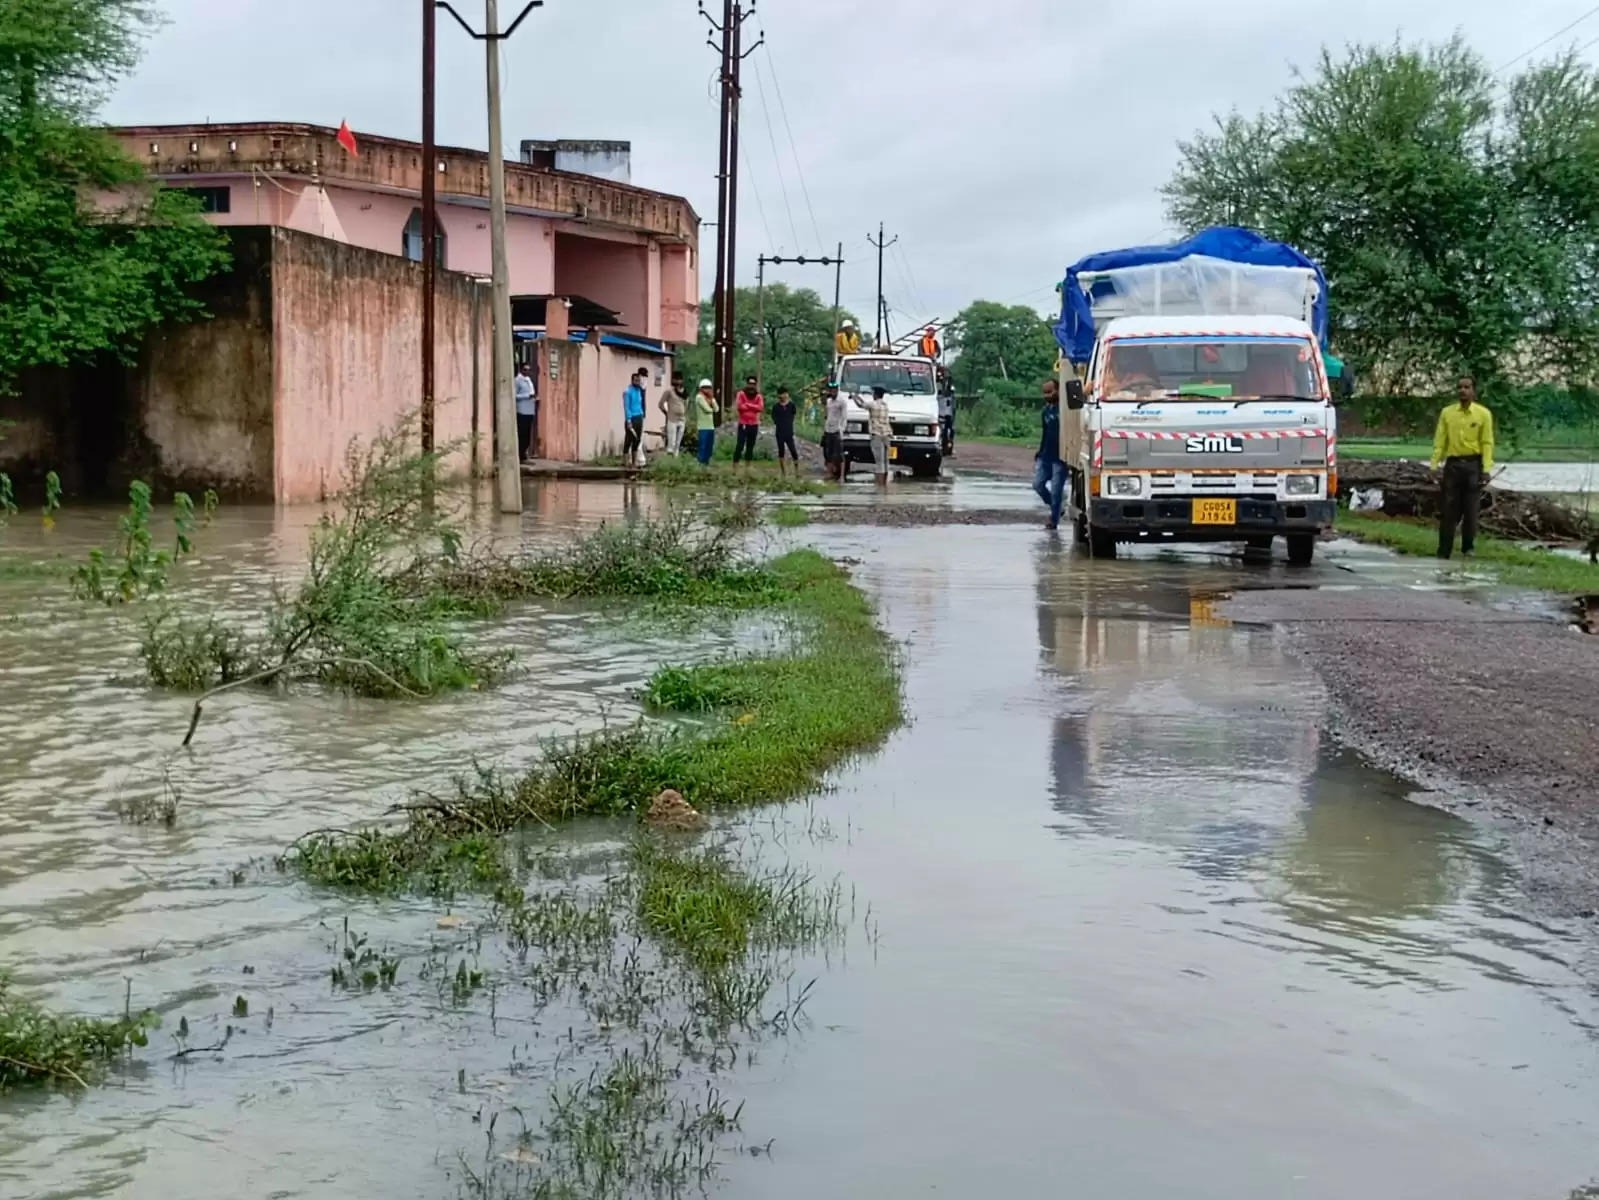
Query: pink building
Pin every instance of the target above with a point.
(582, 232)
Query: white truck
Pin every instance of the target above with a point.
(910, 386)
(1196, 405)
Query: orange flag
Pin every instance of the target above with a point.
(347, 139)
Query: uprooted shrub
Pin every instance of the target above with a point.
(387, 583)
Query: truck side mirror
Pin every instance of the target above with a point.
(1075, 396)
(1346, 383)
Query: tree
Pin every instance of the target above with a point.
(797, 330)
(996, 345)
(92, 252)
(1458, 225)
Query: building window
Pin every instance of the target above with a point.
(411, 242)
(212, 199)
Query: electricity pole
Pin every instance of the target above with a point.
(429, 211)
(508, 473)
(731, 28)
(881, 246)
(803, 261)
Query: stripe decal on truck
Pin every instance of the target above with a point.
(1166, 435)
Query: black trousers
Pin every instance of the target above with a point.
(785, 441)
(524, 433)
(634, 438)
(744, 448)
(1462, 492)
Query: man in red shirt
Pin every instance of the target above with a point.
(750, 406)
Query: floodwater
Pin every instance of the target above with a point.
(1134, 927)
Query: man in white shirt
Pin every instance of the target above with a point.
(833, 433)
(527, 410)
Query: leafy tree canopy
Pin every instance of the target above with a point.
(92, 254)
(1001, 350)
(1457, 219)
(795, 324)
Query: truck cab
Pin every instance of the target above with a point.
(910, 385)
(1202, 429)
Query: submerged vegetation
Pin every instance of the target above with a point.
(38, 1046)
(1514, 565)
(777, 723)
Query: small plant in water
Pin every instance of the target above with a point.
(38, 1046)
(359, 968)
(139, 570)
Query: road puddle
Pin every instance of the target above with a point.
(1122, 921)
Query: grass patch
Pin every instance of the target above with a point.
(762, 475)
(714, 915)
(789, 516)
(784, 720)
(1420, 449)
(1513, 564)
(39, 1047)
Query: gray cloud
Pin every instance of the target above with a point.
(999, 139)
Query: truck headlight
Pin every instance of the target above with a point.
(857, 427)
(1303, 485)
(924, 430)
(1125, 485)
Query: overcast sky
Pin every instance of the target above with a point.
(999, 139)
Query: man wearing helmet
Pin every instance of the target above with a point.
(848, 339)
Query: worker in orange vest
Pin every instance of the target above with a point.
(930, 346)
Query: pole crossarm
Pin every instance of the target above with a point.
(488, 37)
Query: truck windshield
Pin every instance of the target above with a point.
(894, 375)
(1191, 369)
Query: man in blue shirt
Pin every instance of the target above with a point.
(633, 414)
(1049, 473)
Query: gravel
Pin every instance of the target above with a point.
(1496, 713)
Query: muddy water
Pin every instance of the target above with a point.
(1142, 932)
(1132, 927)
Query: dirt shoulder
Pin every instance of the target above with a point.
(1495, 713)
(1015, 462)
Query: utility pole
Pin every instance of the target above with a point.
(881, 246)
(429, 215)
(508, 474)
(731, 28)
(838, 291)
(803, 261)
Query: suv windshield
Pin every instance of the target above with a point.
(1148, 368)
(894, 375)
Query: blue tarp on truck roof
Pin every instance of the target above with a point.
(1076, 332)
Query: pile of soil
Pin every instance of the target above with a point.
(1411, 489)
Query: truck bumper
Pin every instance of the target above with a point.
(1173, 517)
(908, 452)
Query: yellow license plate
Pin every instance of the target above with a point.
(1215, 512)
(893, 453)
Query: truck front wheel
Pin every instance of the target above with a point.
(1101, 544)
(1301, 548)
(928, 468)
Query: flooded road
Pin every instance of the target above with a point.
(1129, 925)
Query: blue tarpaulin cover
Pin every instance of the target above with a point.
(1075, 332)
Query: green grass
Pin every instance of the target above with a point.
(1389, 448)
(714, 914)
(789, 516)
(1514, 565)
(39, 1047)
(777, 724)
(761, 475)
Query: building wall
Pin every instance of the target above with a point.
(345, 331)
(679, 291)
(615, 273)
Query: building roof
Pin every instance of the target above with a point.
(394, 165)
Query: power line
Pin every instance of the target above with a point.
(1557, 33)
(910, 275)
(755, 187)
(777, 159)
(792, 145)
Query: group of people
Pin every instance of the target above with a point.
(675, 406)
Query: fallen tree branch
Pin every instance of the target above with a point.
(53, 1073)
(261, 676)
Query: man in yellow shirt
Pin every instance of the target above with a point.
(848, 341)
(1464, 446)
